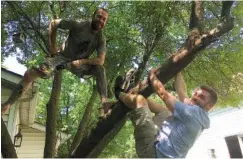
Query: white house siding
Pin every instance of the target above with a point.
(33, 143)
(9, 117)
(225, 123)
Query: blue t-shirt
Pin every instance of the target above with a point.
(176, 136)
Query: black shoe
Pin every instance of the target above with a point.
(125, 84)
(118, 86)
(129, 81)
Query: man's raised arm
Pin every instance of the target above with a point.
(180, 87)
(159, 89)
(58, 23)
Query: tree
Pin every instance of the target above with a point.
(7, 147)
(139, 35)
(196, 42)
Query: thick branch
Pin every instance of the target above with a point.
(54, 15)
(62, 7)
(197, 16)
(33, 25)
(226, 6)
(7, 147)
(184, 56)
(83, 123)
(106, 140)
(51, 121)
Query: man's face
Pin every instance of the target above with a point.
(202, 99)
(99, 20)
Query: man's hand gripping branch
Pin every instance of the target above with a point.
(159, 89)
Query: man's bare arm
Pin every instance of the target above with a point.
(156, 107)
(52, 37)
(96, 61)
(159, 88)
(54, 25)
(180, 87)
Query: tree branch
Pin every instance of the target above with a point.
(52, 107)
(7, 147)
(84, 122)
(226, 6)
(33, 25)
(54, 15)
(197, 17)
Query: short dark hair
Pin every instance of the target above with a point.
(98, 10)
(212, 92)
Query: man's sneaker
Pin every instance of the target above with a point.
(118, 86)
(129, 80)
(126, 83)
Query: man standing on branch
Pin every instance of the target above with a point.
(84, 37)
(180, 122)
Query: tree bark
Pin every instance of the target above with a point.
(182, 58)
(7, 147)
(98, 133)
(83, 123)
(51, 121)
(107, 138)
(197, 16)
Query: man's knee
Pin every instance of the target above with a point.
(141, 101)
(31, 75)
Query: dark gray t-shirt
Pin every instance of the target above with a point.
(81, 41)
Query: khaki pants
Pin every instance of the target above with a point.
(146, 127)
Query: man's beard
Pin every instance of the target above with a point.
(196, 103)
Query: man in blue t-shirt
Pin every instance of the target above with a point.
(179, 123)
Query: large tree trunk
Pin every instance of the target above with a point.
(7, 147)
(51, 121)
(195, 43)
(107, 138)
(85, 120)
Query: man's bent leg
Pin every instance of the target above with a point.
(29, 77)
(144, 129)
(132, 101)
(99, 72)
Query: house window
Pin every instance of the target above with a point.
(233, 146)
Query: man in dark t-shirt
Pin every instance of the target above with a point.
(84, 38)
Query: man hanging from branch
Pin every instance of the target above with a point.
(180, 122)
(84, 37)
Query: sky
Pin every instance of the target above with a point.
(12, 64)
